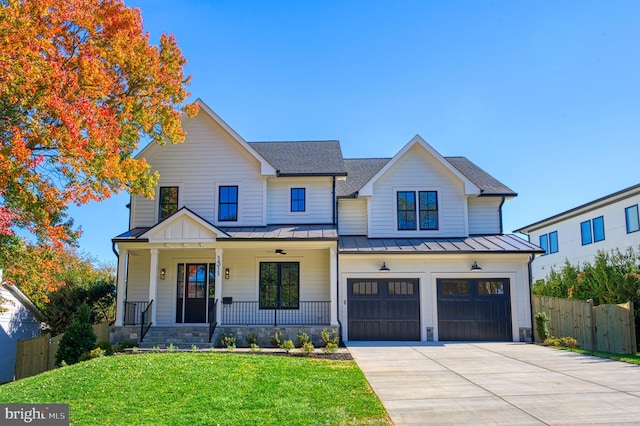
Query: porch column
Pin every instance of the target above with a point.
(218, 283)
(122, 275)
(333, 285)
(153, 284)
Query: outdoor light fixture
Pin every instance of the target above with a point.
(226, 273)
(384, 267)
(280, 252)
(163, 273)
(475, 267)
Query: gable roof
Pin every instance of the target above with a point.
(304, 158)
(469, 186)
(362, 170)
(583, 208)
(265, 167)
(24, 300)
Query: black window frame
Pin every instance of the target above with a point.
(162, 203)
(428, 211)
(585, 227)
(295, 200)
(276, 297)
(547, 242)
(226, 204)
(406, 216)
(637, 217)
(596, 237)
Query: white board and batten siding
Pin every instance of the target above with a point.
(484, 215)
(318, 200)
(418, 171)
(208, 158)
(352, 215)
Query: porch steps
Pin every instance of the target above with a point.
(182, 337)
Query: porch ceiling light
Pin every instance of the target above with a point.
(384, 267)
(280, 252)
(475, 267)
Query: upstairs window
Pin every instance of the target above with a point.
(298, 199)
(631, 215)
(549, 242)
(168, 201)
(426, 210)
(228, 204)
(592, 230)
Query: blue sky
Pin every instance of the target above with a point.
(545, 96)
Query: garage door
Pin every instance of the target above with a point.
(386, 309)
(474, 309)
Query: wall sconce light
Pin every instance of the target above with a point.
(280, 252)
(163, 273)
(226, 273)
(475, 267)
(384, 267)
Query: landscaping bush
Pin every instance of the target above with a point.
(329, 337)
(276, 339)
(105, 346)
(330, 348)
(307, 348)
(228, 340)
(78, 339)
(124, 345)
(302, 338)
(542, 325)
(287, 345)
(252, 338)
(569, 342)
(93, 353)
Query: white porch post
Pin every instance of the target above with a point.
(218, 283)
(122, 275)
(153, 284)
(333, 285)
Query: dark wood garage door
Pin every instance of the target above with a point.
(386, 309)
(477, 310)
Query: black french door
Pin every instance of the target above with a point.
(196, 284)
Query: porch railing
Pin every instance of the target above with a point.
(212, 318)
(133, 312)
(146, 321)
(250, 313)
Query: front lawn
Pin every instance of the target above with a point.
(205, 389)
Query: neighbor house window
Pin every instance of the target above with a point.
(168, 201)
(592, 230)
(549, 242)
(298, 200)
(227, 203)
(279, 285)
(426, 209)
(631, 215)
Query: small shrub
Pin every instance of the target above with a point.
(569, 342)
(307, 348)
(106, 347)
(252, 338)
(124, 345)
(255, 348)
(330, 348)
(302, 338)
(93, 353)
(329, 337)
(155, 349)
(135, 350)
(287, 345)
(171, 348)
(79, 337)
(542, 325)
(276, 339)
(194, 348)
(228, 340)
(552, 341)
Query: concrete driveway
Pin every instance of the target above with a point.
(497, 383)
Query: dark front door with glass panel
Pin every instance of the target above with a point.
(195, 292)
(474, 309)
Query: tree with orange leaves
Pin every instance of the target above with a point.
(80, 86)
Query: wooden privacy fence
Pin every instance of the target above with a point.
(607, 328)
(34, 356)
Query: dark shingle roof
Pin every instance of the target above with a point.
(312, 158)
(361, 170)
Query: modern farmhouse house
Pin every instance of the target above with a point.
(576, 235)
(262, 236)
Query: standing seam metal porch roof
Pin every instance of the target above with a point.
(476, 244)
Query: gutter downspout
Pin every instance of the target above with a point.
(532, 256)
(338, 291)
(500, 213)
(113, 248)
(335, 202)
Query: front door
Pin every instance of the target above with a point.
(195, 286)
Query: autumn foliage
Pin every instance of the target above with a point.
(80, 87)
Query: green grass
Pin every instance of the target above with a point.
(632, 359)
(205, 389)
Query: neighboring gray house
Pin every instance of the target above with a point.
(248, 236)
(21, 321)
(576, 235)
